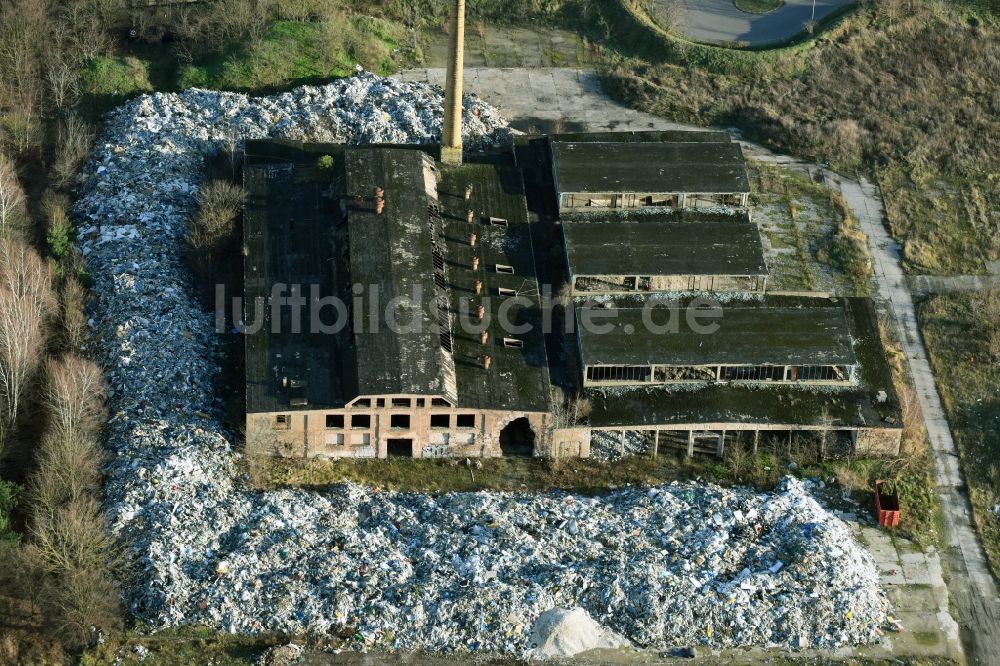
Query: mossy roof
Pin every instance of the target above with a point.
(775, 331)
(651, 246)
(690, 167)
(775, 405)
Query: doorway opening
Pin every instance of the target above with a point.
(400, 448)
(517, 438)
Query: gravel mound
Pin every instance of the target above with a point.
(684, 564)
(566, 632)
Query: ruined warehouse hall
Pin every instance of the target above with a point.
(665, 219)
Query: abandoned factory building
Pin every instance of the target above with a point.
(452, 346)
(398, 379)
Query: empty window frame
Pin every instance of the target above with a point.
(504, 291)
(516, 343)
(619, 373)
(440, 402)
(441, 421)
(400, 402)
(504, 268)
(752, 373)
(466, 420)
(399, 421)
(334, 420)
(684, 373)
(818, 373)
(362, 402)
(499, 221)
(282, 422)
(361, 421)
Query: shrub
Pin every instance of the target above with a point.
(325, 163)
(73, 143)
(73, 315)
(219, 203)
(8, 500)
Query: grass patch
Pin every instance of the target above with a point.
(819, 226)
(106, 82)
(294, 52)
(179, 647)
(959, 332)
(757, 6)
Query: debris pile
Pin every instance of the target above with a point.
(678, 565)
(607, 446)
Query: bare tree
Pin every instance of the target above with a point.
(75, 396)
(219, 203)
(12, 200)
(62, 83)
(68, 468)
(21, 348)
(26, 302)
(72, 301)
(27, 276)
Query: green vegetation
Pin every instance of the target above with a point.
(962, 332)
(831, 252)
(114, 79)
(758, 6)
(294, 51)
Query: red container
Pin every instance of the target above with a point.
(886, 507)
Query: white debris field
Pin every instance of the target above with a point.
(678, 565)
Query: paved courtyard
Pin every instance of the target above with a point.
(549, 99)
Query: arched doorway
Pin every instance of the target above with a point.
(517, 438)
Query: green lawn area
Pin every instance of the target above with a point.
(758, 6)
(958, 338)
(299, 52)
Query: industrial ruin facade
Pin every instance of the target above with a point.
(445, 240)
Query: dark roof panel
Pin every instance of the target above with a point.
(804, 331)
(390, 256)
(649, 167)
(648, 246)
(518, 377)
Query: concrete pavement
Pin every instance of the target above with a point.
(719, 21)
(548, 99)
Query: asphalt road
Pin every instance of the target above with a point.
(718, 21)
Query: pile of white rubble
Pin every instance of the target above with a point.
(678, 565)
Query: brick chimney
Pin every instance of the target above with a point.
(451, 133)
